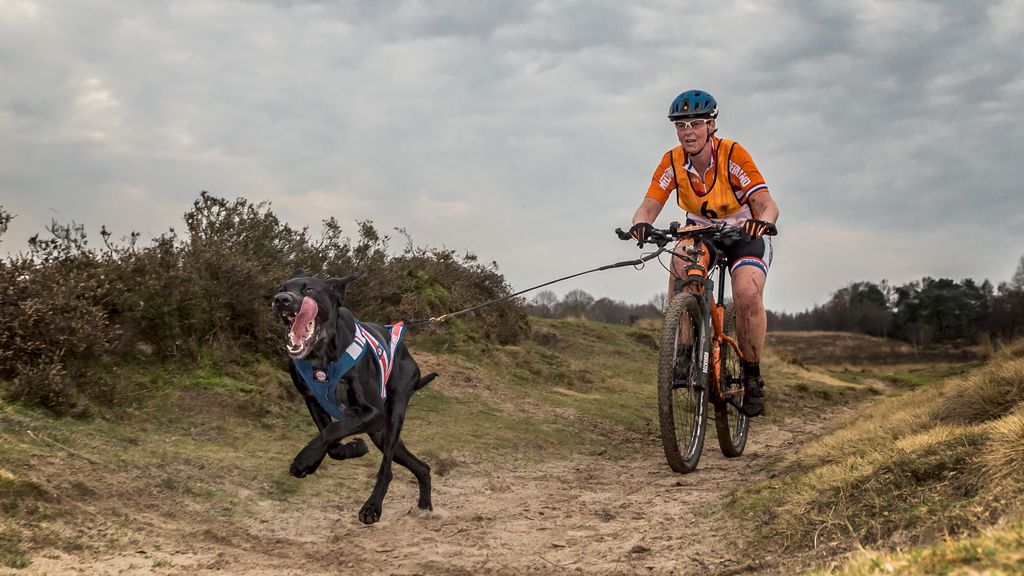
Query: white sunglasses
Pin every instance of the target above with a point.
(687, 124)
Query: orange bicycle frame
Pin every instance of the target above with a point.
(699, 267)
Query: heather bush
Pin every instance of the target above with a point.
(53, 320)
(66, 306)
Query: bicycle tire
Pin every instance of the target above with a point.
(731, 425)
(682, 409)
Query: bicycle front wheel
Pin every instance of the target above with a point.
(682, 389)
(730, 424)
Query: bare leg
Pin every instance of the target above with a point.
(679, 271)
(751, 319)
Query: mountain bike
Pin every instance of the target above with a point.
(699, 359)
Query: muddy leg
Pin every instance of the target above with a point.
(751, 318)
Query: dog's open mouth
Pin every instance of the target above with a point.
(302, 328)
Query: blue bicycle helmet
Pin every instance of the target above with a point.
(693, 104)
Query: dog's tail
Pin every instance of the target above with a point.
(425, 380)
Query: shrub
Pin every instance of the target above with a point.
(66, 306)
(53, 319)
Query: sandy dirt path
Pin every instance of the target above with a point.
(584, 514)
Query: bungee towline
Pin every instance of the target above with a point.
(638, 262)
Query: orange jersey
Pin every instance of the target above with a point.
(721, 193)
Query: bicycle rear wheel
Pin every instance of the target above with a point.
(730, 424)
(682, 386)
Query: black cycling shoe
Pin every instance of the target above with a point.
(753, 396)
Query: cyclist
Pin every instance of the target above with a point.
(716, 180)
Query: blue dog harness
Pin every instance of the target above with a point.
(324, 382)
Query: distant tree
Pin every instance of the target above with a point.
(869, 309)
(5, 219)
(543, 304)
(1006, 316)
(575, 303)
(609, 311)
(1017, 282)
(659, 301)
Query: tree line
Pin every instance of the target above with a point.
(920, 312)
(580, 304)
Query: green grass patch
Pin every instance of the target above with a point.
(12, 555)
(22, 498)
(446, 426)
(217, 381)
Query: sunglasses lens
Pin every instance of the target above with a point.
(688, 124)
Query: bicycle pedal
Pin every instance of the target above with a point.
(736, 404)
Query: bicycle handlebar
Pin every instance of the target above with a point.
(676, 231)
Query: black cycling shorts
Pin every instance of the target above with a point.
(757, 253)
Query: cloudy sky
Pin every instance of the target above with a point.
(890, 133)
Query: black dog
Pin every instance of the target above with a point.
(359, 373)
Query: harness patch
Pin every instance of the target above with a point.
(324, 382)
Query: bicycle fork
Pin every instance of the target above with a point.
(712, 338)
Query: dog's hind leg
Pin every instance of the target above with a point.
(419, 469)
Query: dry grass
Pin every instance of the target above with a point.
(986, 394)
(862, 432)
(1013, 349)
(941, 460)
(1002, 461)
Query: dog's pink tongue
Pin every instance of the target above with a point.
(300, 327)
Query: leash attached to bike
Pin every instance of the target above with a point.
(443, 317)
(661, 238)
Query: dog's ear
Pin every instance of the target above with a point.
(299, 273)
(339, 285)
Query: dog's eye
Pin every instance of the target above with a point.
(309, 291)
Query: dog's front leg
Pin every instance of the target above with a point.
(308, 460)
(355, 422)
(371, 510)
(354, 449)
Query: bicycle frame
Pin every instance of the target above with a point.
(713, 332)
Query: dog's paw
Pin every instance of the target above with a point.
(425, 505)
(369, 513)
(304, 465)
(353, 449)
(296, 471)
